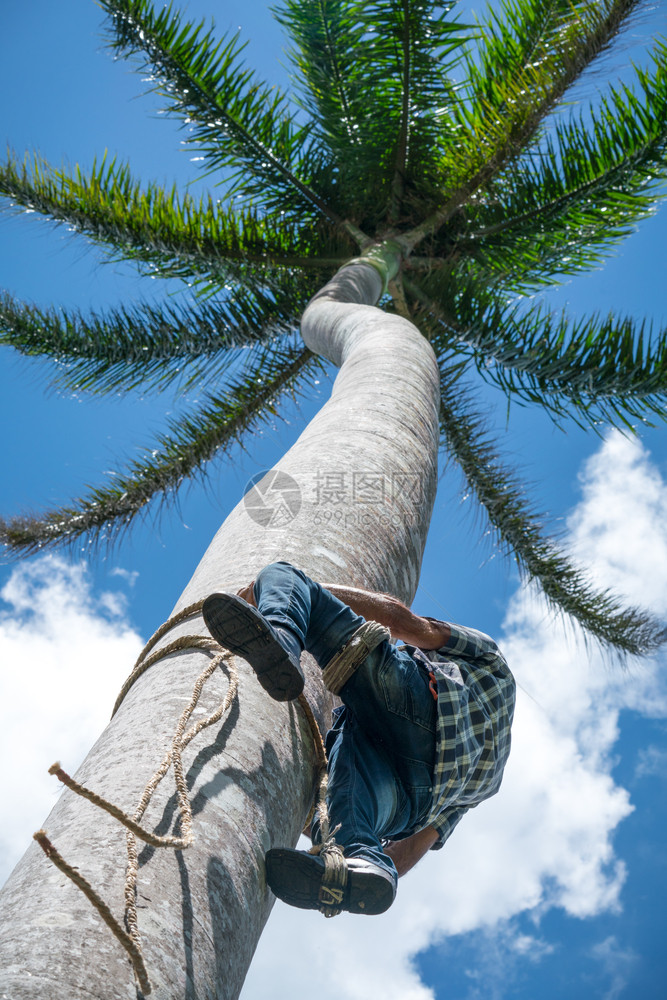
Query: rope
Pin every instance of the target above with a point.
(334, 880)
(340, 667)
(335, 876)
(131, 939)
(144, 661)
(107, 916)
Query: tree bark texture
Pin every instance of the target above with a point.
(365, 475)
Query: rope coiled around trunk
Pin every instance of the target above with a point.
(130, 939)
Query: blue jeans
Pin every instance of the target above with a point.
(381, 748)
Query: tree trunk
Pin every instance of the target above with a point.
(366, 474)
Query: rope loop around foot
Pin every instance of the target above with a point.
(334, 879)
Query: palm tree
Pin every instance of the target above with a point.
(465, 172)
(436, 156)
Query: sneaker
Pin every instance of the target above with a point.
(271, 652)
(296, 878)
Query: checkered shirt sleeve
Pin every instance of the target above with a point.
(476, 695)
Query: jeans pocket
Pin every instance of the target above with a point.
(416, 782)
(405, 690)
(423, 800)
(337, 723)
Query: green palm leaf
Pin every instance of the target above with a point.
(561, 209)
(374, 79)
(171, 235)
(417, 41)
(214, 426)
(238, 122)
(153, 346)
(521, 37)
(508, 100)
(519, 530)
(592, 369)
(596, 370)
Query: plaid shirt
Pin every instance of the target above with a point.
(476, 694)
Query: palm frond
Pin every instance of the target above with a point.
(503, 114)
(521, 35)
(327, 37)
(170, 235)
(595, 370)
(374, 76)
(153, 346)
(238, 122)
(560, 210)
(519, 530)
(424, 44)
(214, 426)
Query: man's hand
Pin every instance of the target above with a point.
(406, 853)
(247, 594)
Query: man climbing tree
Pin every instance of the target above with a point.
(423, 734)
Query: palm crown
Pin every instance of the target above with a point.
(407, 132)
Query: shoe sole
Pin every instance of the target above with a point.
(296, 878)
(239, 627)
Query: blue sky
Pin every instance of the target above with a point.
(557, 887)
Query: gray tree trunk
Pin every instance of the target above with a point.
(366, 474)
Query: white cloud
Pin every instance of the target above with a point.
(652, 762)
(547, 839)
(616, 963)
(63, 656)
(618, 530)
(531, 947)
(130, 576)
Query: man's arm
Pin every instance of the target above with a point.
(406, 853)
(427, 633)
